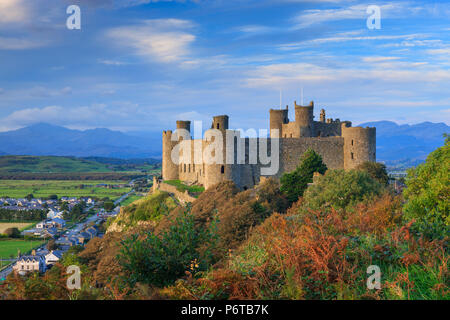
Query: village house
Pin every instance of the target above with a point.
(30, 263)
(52, 257)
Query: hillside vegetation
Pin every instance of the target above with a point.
(258, 244)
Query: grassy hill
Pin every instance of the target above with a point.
(56, 164)
(49, 164)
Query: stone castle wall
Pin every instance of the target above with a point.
(340, 145)
(183, 197)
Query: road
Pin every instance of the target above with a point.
(75, 229)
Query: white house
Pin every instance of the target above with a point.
(53, 256)
(30, 263)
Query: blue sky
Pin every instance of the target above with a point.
(139, 65)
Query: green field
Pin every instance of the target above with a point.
(9, 247)
(67, 188)
(54, 164)
(49, 164)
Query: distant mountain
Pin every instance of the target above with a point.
(47, 139)
(396, 144)
(406, 144)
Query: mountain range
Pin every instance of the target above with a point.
(46, 139)
(396, 144)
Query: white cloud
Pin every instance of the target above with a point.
(310, 17)
(163, 40)
(387, 71)
(347, 37)
(20, 43)
(13, 11)
(96, 115)
(443, 51)
(112, 62)
(379, 59)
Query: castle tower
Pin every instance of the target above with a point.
(216, 172)
(220, 122)
(169, 169)
(322, 116)
(304, 117)
(278, 118)
(359, 145)
(182, 124)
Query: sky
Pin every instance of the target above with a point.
(140, 65)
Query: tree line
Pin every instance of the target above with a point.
(22, 215)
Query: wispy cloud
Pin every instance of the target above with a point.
(7, 43)
(163, 40)
(112, 62)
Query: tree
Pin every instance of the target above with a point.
(12, 232)
(51, 245)
(340, 189)
(376, 170)
(29, 197)
(294, 184)
(108, 205)
(428, 193)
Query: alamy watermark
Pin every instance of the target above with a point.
(227, 147)
(374, 20)
(74, 280)
(74, 20)
(374, 280)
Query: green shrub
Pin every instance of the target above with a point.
(160, 260)
(294, 184)
(340, 189)
(428, 192)
(376, 170)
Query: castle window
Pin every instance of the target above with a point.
(185, 167)
(218, 126)
(351, 154)
(222, 169)
(189, 167)
(291, 135)
(352, 142)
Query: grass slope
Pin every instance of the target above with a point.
(9, 247)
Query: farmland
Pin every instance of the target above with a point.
(68, 188)
(56, 164)
(9, 247)
(18, 225)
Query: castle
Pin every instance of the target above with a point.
(340, 145)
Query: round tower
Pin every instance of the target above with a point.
(304, 117)
(169, 169)
(277, 119)
(220, 122)
(219, 171)
(359, 145)
(182, 124)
